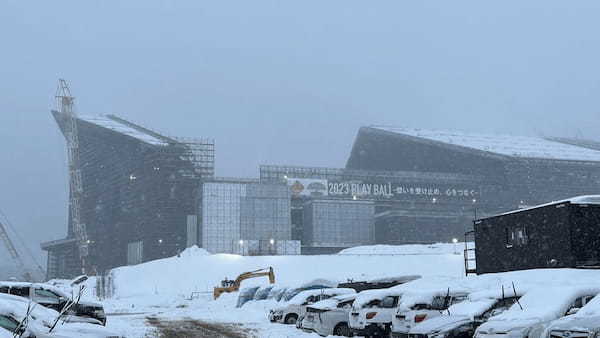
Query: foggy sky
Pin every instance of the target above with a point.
(282, 82)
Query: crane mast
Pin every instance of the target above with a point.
(64, 102)
(12, 250)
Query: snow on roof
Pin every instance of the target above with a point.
(331, 303)
(578, 200)
(114, 125)
(507, 145)
(545, 304)
(412, 298)
(17, 307)
(300, 298)
(472, 308)
(35, 285)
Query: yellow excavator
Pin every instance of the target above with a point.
(234, 285)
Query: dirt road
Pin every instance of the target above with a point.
(189, 328)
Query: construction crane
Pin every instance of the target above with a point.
(64, 104)
(14, 254)
(234, 285)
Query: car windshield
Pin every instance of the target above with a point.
(8, 323)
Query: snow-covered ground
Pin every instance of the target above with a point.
(163, 289)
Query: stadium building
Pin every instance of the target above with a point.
(148, 196)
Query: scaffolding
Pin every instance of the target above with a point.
(141, 186)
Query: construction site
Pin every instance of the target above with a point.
(137, 195)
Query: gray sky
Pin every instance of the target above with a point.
(283, 82)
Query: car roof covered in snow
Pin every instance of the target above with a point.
(302, 296)
(504, 145)
(331, 303)
(414, 297)
(545, 304)
(367, 296)
(17, 307)
(35, 285)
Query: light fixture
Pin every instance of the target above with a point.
(241, 242)
(434, 200)
(160, 241)
(474, 200)
(454, 240)
(272, 241)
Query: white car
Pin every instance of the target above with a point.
(295, 308)
(14, 309)
(329, 317)
(536, 309)
(418, 307)
(372, 312)
(583, 324)
(461, 320)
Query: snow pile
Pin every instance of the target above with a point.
(196, 271)
(410, 249)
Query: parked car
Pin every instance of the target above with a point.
(418, 307)
(13, 309)
(536, 309)
(295, 308)
(330, 316)
(583, 324)
(462, 319)
(245, 295)
(372, 311)
(53, 298)
(277, 293)
(263, 292)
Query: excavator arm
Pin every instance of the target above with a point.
(235, 285)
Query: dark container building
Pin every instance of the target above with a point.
(141, 195)
(563, 234)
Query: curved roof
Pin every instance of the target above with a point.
(117, 125)
(506, 145)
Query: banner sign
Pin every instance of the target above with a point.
(308, 187)
(397, 190)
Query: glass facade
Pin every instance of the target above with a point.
(338, 223)
(235, 214)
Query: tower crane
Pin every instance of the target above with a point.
(14, 254)
(64, 104)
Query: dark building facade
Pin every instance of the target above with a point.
(140, 192)
(475, 174)
(562, 234)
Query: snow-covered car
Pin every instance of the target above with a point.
(535, 310)
(52, 297)
(418, 307)
(462, 319)
(329, 317)
(583, 324)
(263, 292)
(372, 312)
(246, 295)
(14, 309)
(295, 308)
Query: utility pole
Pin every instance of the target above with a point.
(64, 103)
